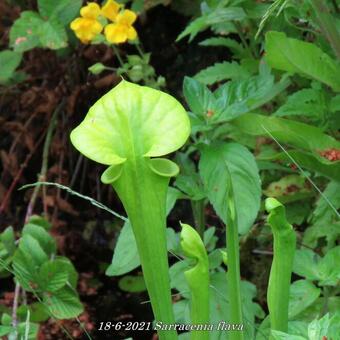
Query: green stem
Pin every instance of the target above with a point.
(143, 194)
(233, 274)
(250, 49)
(116, 51)
(327, 25)
(199, 216)
(281, 270)
(139, 49)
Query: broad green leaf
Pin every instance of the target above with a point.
(318, 329)
(7, 238)
(301, 57)
(287, 131)
(64, 10)
(288, 189)
(219, 306)
(217, 16)
(125, 256)
(329, 231)
(323, 214)
(306, 264)
(311, 103)
(310, 161)
(52, 34)
(172, 196)
(132, 284)
(32, 247)
(45, 240)
(324, 270)
(302, 294)
(242, 96)
(177, 278)
(38, 312)
(53, 275)
(238, 50)
(24, 34)
(244, 176)
(5, 330)
(39, 221)
(131, 121)
(329, 267)
(277, 335)
(221, 71)
(25, 270)
(296, 330)
(200, 99)
(310, 139)
(63, 304)
(28, 330)
(9, 61)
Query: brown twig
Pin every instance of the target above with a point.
(44, 165)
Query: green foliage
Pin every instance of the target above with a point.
(301, 57)
(36, 267)
(9, 61)
(46, 28)
(220, 72)
(244, 176)
(313, 267)
(139, 70)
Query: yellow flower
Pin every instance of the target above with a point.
(110, 10)
(86, 29)
(91, 11)
(122, 29)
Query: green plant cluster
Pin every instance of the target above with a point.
(48, 280)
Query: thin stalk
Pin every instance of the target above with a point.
(14, 310)
(327, 25)
(44, 165)
(139, 49)
(250, 49)
(116, 51)
(199, 216)
(233, 262)
(281, 270)
(143, 194)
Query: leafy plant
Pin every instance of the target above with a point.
(51, 279)
(46, 28)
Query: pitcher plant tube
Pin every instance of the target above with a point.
(198, 280)
(281, 269)
(127, 129)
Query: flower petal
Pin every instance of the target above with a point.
(131, 33)
(110, 9)
(91, 11)
(126, 17)
(116, 34)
